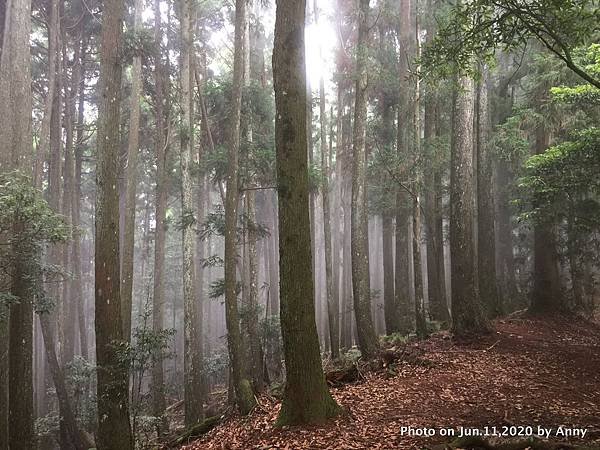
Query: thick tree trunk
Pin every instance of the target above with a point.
(486, 230)
(192, 359)
(361, 288)
(467, 312)
(243, 390)
(161, 146)
(16, 411)
(306, 397)
(114, 430)
(20, 381)
(133, 149)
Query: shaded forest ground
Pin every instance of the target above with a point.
(529, 372)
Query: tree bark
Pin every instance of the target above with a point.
(486, 229)
(420, 320)
(243, 390)
(361, 288)
(332, 301)
(467, 312)
(306, 397)
(42, 149)
(133, 149)
(161, 146)
(114, 431)
(438, 305)
(77, 291)
(16, 410)
(192, 359)
(401, 318)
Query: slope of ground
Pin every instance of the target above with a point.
(530, 372)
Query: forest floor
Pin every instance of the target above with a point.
(529, 372)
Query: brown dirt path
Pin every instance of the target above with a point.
(529, 372)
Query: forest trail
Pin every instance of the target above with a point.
(533, 372)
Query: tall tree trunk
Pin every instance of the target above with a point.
(192, 362)
(306, 397)
(486, 232)
(161, 146)
(16, 411)
(420, 320)
(332, 301)
(114, 431)
(546, 296)
(467, 312)
(436, 286)
(69, 297)
(133, 149)
(400, 319)
(243, 391)
(367, 339)
(77, 291)
(42, 149)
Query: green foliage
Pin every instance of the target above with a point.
(216, 289)
(509, 141)
(394, 339)
(27, 225)
(582, 95)
(80, 377)
(137, 43)
(563, 181)
(352, 355)
(479, 27)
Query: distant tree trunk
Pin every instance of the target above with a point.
(467, 312)
(546, 296)
(42, 149)
(361, 289)
(576, 267)
(16, 411)
(505, 178)
(77, 291)
(509, 293)
(243, 391)
(133, 149)
(402, 321)
(486, 233)
(71, 436)
(436, 287)
(192, 361)
(346, 200)
(306, 398)
(70, 203)
(332, 301)
(114, 431)
(420, 320)
(161, 146)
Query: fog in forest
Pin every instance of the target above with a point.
(290, 224)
